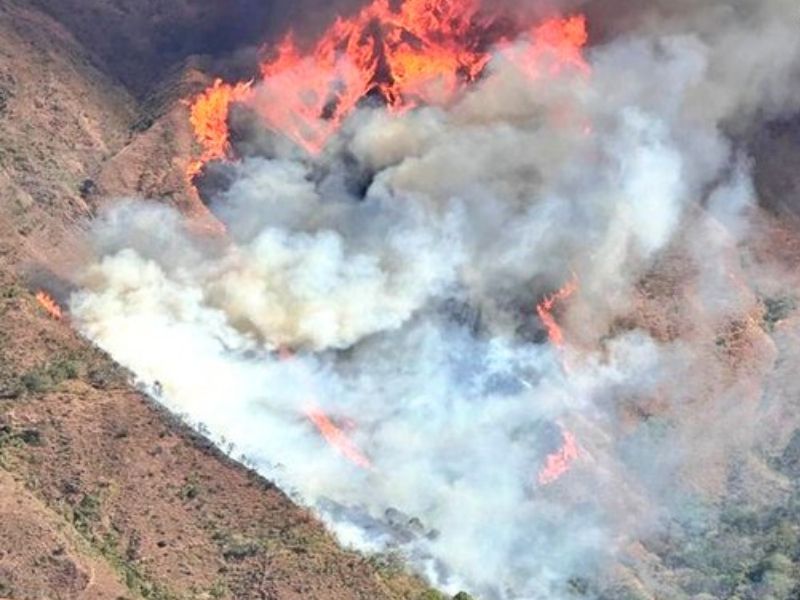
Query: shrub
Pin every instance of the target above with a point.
(37, 381)
(239, 548)
(86, 512)
(43, 379)
(432, 595)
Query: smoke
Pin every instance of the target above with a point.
(403, 265)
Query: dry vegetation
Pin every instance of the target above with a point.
(102, 494)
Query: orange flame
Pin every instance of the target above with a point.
(545, 312)
(398, 54)
(561, 40)
(422, 51)
(208, 114)
(50, 305)
(337, 438)
(332, 434)
(558, 463)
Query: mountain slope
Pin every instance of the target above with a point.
(102, 494)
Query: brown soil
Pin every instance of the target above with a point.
(102, 494)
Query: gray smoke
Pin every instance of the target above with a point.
(411, 307)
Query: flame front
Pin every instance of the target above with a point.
(50, 305)
(421, 52)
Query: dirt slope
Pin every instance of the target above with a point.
(140, 40)
(103, 495)
(60, 118)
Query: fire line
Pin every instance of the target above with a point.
(420, 52)
(47, 302)
(559, 462)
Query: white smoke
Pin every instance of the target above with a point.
(412, 310)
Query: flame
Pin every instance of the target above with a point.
(208, 114)
(545, 311)
(560, 461)
(50, 305)
(337, 438)
(398, 54)
(417, 52)
(333, 434)
(558, 44)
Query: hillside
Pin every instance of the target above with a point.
(102, 494)
(105, 495)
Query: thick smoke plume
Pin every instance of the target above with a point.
(366, 331)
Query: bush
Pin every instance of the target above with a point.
(432, 595)
(777, 310)
(239, 548)
(11, 388)
(44, 379)
(63, 370)
(37, 381)
(86, 513)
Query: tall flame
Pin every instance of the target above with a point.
(208, 114)
(398, 54)
(420, 52)
(50, 305)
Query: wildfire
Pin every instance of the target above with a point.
(50, 305)
(558, 463)
(208, 115)
(337, 438)
(407, 54)
(333, 434)
(545, 311)
(560, 39)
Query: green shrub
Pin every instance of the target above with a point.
(37, 381)
(86, 513)
(777, 310)
(432, 594)
(44, 379)
(238, 548)
(63, 370)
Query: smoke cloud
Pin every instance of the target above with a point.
(391, 285)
